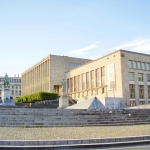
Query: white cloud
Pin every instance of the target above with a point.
(80, 51)
(136, 45)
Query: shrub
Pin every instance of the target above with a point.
(36, 97)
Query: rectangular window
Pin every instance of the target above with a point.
(83, 81)
(139, 65)
(148, 88)
(16, 92)
(147, 66)
(103, 76)
(92, 79)
(132, 90)
(67, 85)
(12, 92)
(131, 76)
(87, 80)
(96, 92)
(79, 83)
(71, 84)
(142, 102)
(143, 65)
(134, 65)
(148, 77)
(132, 103)
(75, 84)
(97, 77)
(103, 90)
(140, 76)
(141, 91)
(19, 92)
(130, 64)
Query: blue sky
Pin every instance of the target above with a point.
(32, 29)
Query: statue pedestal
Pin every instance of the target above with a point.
(6, 101)
(63, 101)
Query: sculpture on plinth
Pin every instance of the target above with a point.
(6, 101)
(64, 99)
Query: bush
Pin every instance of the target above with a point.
(36, 97)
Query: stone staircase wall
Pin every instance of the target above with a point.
(44, 117)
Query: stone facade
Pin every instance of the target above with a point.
(108, 77)
(47, 75)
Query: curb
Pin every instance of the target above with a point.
(73, 143)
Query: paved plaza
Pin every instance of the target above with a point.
(58, 133)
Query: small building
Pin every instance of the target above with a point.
(15, 86)
(122, 76)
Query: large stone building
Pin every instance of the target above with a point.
(122, 75)
(15, 86)
(47, 75)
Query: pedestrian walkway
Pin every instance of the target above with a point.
(62, 133)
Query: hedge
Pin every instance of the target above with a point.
(36, 97)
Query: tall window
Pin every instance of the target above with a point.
(83, 81)
(131, 76)
(140, 76)
(87, 80)
(103, 76)
(134, 65)
(12, 92)
(67, 85)
(148, 92)
(92, 79)
(148, 77)
(147, 66)
(97, 77)
(79, 83)
(75, 84)
(143, 65)
(16, 92)
(71, 84)
(132, 90)
(130, 64)
(141, 91)
(139, 65)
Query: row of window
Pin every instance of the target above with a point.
(139, 65)
(86, 94)
(16, 87)
(140, 77)
(11, 80)
(86, 80)
(141, 91)
(12, 92)
(133, 103)
(70, 64)
(16, 92)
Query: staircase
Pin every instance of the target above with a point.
(45, 117)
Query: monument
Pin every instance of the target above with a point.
(64, 99)
(6, 101)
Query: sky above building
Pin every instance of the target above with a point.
(32, 29)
